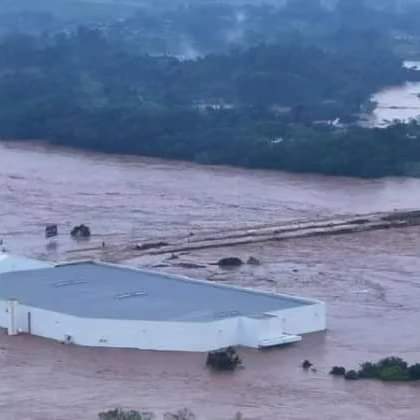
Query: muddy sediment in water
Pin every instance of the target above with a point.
(122, 198)
(369, 281)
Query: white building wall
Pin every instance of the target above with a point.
(303, 319)
(4, 314)
(253, 331)
(178, 336)
(147, 335)
(169, 336)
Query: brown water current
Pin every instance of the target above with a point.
(370, 282)
(123, 197)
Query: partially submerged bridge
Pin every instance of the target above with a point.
(281, 231)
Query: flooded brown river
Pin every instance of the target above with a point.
(130, 197)
(370, 282)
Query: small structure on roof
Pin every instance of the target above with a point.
(98, 304)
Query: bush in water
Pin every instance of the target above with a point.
(387, 369)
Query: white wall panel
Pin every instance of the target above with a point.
(176, 336)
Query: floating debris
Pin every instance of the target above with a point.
(189, 265)
(150, 245)
(306, 364)
(230, 262)
(253, 261)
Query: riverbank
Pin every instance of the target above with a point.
(266, 108)
(324, 149)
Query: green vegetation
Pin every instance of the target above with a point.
(392, 369)
(338, 371)
(223, 360)
(180, 27)
(119, 414)
(254, 99)
(82, 90)
(351, 375)
(184, 414)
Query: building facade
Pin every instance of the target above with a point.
(97, 304)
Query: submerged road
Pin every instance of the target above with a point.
(257, 234)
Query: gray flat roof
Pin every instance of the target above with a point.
(93, 290)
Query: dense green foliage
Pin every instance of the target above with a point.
(256, 105)
(181, 27)
(338, 371)
(119, 414)
(389, 369)
(100, 74)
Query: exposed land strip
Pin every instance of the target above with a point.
(251, 234)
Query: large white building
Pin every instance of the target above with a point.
(98, 304)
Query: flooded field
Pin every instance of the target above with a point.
(396, 103)
(407, 100)
(369, 281)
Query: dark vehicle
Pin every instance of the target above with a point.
(81, 231)
(51, 230)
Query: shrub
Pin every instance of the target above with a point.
(388, 369)
(184, 414)
(306, 364)
(338, 371)
(394, 373)
(119, 414)
(369, 370)
(392, 362)
(414, 372)
(223, 360)
(351, 375)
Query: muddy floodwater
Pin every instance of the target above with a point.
(396, 102)
(125, 198)
(407, 98)
(370, 282)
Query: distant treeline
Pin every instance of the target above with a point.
(101, 73)
(192, 28)
(254, 107)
